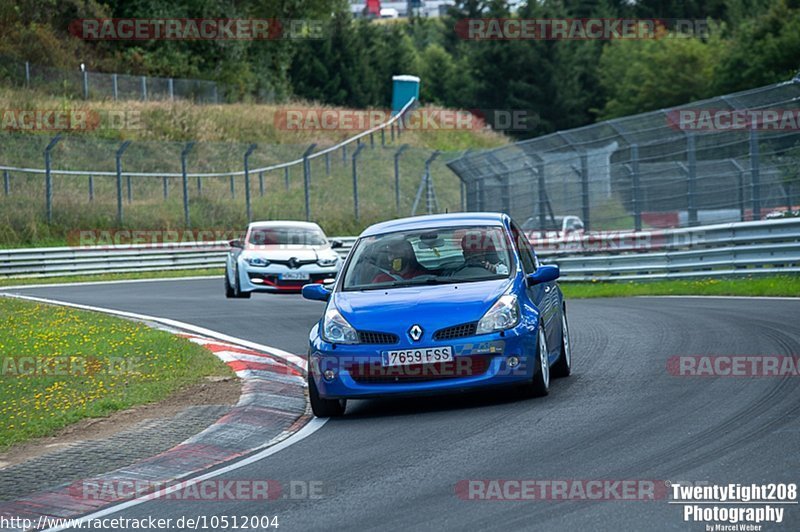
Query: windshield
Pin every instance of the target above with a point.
(285, 236)
(430, 256)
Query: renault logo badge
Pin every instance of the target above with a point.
(415, 332)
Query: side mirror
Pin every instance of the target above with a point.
(316, 292)
(236, 244)
(543, 274)
(336, 244)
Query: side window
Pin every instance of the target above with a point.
(529, 263)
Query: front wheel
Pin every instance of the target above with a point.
(563, 366)
(324, 407)
(229, 293)
(237, 287)
(539, 385)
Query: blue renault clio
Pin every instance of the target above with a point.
(437, 304)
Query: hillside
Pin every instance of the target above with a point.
(222, 133)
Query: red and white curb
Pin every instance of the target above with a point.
(272, 413)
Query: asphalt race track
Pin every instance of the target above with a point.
(395, 463)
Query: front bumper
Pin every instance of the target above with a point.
(478, 361)
(268, 279)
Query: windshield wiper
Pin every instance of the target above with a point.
(428, 280)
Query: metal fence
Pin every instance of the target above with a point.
(726, 250)
(83, 181)
(654, 170)
(87, 85)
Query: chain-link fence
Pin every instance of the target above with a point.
(74, 182)
(730, 158)
(77, 83)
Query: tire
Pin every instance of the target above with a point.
(563, 366)
(324, 407)
(237, 288)
(229, 293)
(539, 385)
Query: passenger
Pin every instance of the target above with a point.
(480, 252)
(401, 263)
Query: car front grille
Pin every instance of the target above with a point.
(458, 368)
(456, 331)
(372, 337)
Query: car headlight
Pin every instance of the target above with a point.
(258, 262)
(504, 314)
(335, 328)
(330, 261)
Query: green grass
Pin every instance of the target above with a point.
(112, 277)
(779, 285)
(86, 365)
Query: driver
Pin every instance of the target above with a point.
(402, 262)
(479, 251)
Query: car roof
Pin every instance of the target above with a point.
(284, 223)
(437, 220)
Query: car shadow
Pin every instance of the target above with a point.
(388, 407)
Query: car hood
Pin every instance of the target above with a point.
(286, 252)
(430, 306)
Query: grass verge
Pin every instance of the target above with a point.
(775, 286)
(169, 274)
(60, 365)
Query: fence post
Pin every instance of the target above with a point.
(391, 131)
(171, 90)
(6, 183)
(247, 181)
(637, 204)
(186, 220)
(586, 206)
(85, 85)
(286, 177)
(91, 187)
(166, 187)
(199, 187)
(27, 74)
(344, 153)
(755, 173)
(371, 141)
(129, 189)
(144, 88)
(261, 184)
(427, 185)
(397, 155)
(383, 137)
(355, 179)
(233, 187)
(48, 178)
(307, 180)
(116, 87)
(542, 194)
(327, 163)
(118, 160)
(691, 184)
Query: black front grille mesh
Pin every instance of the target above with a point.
(456, 331)
(371, 337)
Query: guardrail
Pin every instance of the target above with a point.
(746, 248)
